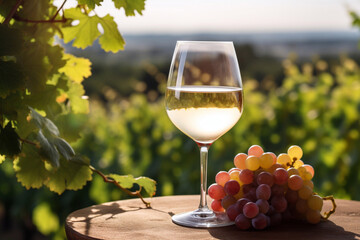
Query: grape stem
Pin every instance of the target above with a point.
(326, 215)
(110, 180)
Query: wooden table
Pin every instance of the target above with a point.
(129, 219)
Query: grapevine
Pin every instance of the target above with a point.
(263, 189)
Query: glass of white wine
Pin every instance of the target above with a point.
(204, 99)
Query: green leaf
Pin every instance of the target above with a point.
(130, 6)
(85, 32)
(71, 175)
(128, 181)
(76, 68)
(77, 102)
(11, 78)
(44, 219)
(111, 40)
(43, 123)
(9, 141)
(11, 40)
(30, 168)
(48, 149)
(90, 3)
(81, 160)
(64, 148)
(34, 10)
(70, 125)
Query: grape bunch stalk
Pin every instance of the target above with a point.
(263, 190)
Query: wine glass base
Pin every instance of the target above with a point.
(202, 219)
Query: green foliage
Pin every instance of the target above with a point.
(128, 181)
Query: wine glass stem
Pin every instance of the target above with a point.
(204, 148)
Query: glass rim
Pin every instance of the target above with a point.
(206, 42)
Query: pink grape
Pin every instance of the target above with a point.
(251, 194)
(216, 191)
(216, 206)
(241, 203)
(273, 156)
(310, 169)
(246, 176)
(265, 178)
(232, 187)
(222, 177)
(277, 190)
(291, 196)
(227, 201)
(232, 212)
(263, 205)
(242, 222)
(295, 182)
(233, 169)
(250, 210)
(280, 176)
(279, 203)
(274, 167)
(255, 150)
(259, 222)
(239, 160)
(263, 191)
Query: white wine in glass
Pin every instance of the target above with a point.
(204, 99)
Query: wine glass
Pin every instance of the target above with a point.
(204, 99)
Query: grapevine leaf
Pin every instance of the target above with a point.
(64, 148)
(76, 68)
(128, 181)
(10, 105)
(70, 125)
(11, 41)
(77, 102)
(130, 6)
(30, 168)
(71, 176)
(49, 149)
(111, 40)
(90, 3)
(81, 160)
(9, 141)
(43, 122)
(85, 32)
(11, 78)
(55, 55)
(46, 100)
(2, 158)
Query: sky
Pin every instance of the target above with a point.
(233, 16)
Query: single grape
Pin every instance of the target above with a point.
(241, 203)
(250, 210)
(216, 191)
(232, 187)
(307, 176)
(259, 222)
(313, 216)
(255, 150)
(251, 194)
(280, 176)
(239, 160)
(227, 201)
(279, 203)
(305, 192)
(315, 202)
(298, 163)
(295, 182)
(302, 170)
(310, 169)
(263, 191)
(242, 222)
(246, 176)
(293, 171)
(256, 174)
(233, 169)
(222, 177)
(309, 183)
(266, 160)
(284, 159)
(263, 205)
(301, 206)
(291, 196)
(278, 190)
(295, 152)
(216, 206)
(273, 156)
(275, 219)
(234, 175)
(265, 178)
(232, 212)
(252, 163)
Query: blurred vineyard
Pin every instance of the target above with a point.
(314, 104)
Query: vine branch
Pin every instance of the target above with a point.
(57, 12)
(109, 180)
(332, 210)
(12, 12)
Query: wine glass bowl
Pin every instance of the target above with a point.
(204, 100)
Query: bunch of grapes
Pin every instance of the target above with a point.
(264, 189)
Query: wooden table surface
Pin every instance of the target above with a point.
(129, 219)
